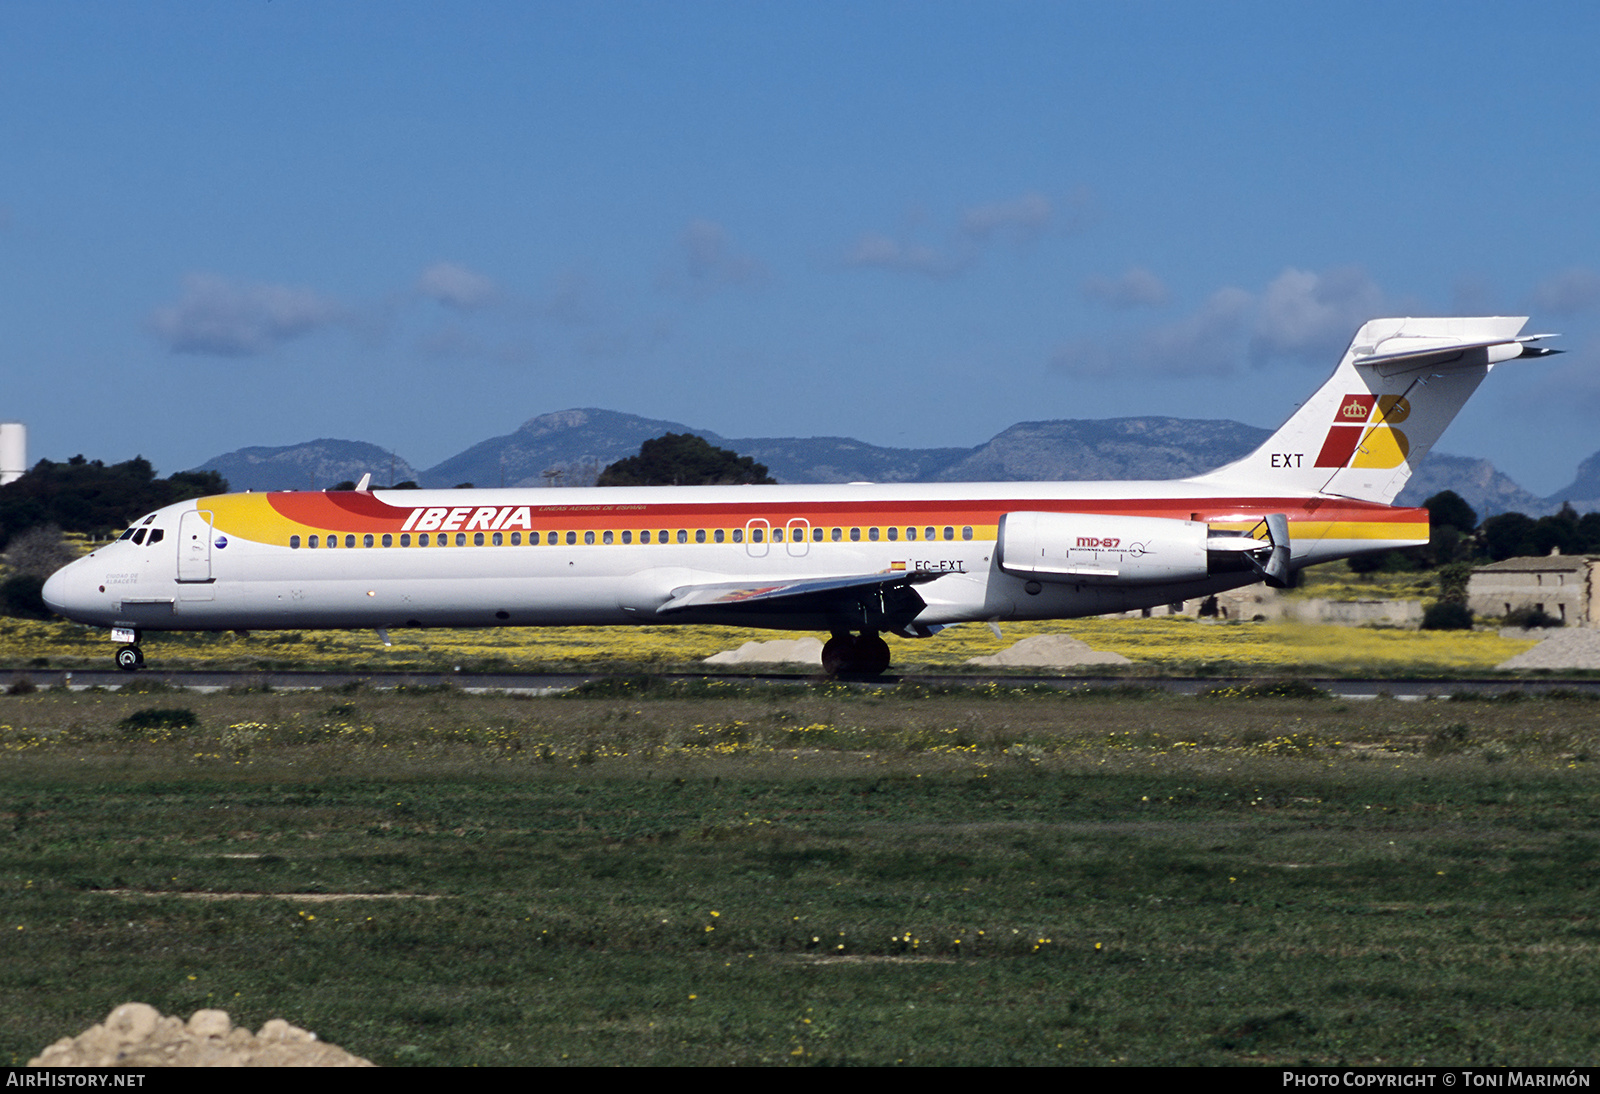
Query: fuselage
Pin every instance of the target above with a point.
(553, 557)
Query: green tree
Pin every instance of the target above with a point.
(1509, 535)
(1451, 524)
(1447, 509)
(683, 459)
(91, 497)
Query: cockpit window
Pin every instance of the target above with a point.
(126, 535)
(138, 537)
(156, 536)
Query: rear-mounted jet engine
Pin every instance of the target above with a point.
(1092, 547)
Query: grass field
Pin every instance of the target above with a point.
(723, 874)
(1176, 644)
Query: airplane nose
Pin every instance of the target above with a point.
(55, 591)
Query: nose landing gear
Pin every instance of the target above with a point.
(130, 657)
(846, 654)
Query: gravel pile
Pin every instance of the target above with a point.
(801, 651)
(1577, 648)
(1057, 651)
(137, 1035)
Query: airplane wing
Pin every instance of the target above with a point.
(791, 595)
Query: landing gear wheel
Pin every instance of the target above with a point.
(872, 655)
(855, 655)
(130, 658)
(836, 653)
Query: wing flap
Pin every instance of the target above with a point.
(736, 594)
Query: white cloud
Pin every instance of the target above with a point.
(238, 319)
(1137, 287)
(704, 260)
(457, 287)
(1023, 218)
(1019, 221)
(1300, 315)
(1569, 292)
(874, 250)
(1303, 313)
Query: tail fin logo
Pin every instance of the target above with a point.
(1364, 435)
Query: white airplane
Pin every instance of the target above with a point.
(856, 561)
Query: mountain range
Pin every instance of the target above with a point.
(571, 447)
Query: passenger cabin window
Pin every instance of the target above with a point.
(855, 535)
(294, 543)
(872, 534)
(350, 540)
(588, 537)
(366, 540)
(312, 542)
(388, 540)
(966, 532)
(606, 537)
(477, 539)
(738, 535)
(700, 535)
(683, 535)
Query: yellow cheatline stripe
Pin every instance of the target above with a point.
(1337, 529)
(248, 516)
(1349, 529)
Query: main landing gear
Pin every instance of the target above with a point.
(847, 654)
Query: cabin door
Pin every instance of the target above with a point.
(194, 546)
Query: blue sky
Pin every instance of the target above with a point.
(420, 224)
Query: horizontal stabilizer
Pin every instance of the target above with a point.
(1422, 353)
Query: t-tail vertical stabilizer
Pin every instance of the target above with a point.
(1365, 431)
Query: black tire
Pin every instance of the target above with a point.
(129, 658)
(872, 655)
(837, 653)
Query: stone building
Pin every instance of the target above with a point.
(1563, 586)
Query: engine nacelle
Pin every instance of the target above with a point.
(1093, 547)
